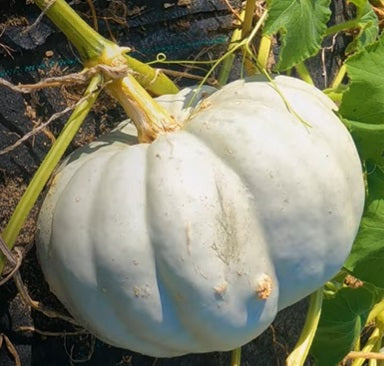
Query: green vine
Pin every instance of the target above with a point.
(350, 24)
(48, 165)
(94, 48)
(303, 345)
(243, 44)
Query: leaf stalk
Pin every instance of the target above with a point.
(236, 357)
(303, 345)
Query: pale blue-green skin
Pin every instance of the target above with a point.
(166, 248)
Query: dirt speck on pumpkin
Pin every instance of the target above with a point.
(264, 287)
(221, 288)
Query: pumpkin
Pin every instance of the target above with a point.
(193, 243)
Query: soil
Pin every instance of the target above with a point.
(181, 30)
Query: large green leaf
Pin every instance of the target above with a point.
(341, 321)
(366, 260)
(368, 25)
(301, 25)
(363, 103)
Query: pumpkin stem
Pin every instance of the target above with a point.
(150, 118)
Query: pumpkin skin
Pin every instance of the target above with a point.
(193, 243)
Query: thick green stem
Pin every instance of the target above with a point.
(250, 6)
(339, 77)
(300, 353)
(93, 47)
(264, 51)
(350, 24)
(46, 168)
(236, 357)
(374, 338)
(249, 14)
(236, 44)
(87, 41)
(335, 96)
(226, 67)
(153, 80)
(303, 72)
(377, 309)
(149, 117)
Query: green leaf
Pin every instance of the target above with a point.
(301, 25)
(368, 25)
(341, 321)
(362, 105)
(369, 139)
(366, 89)
(366, 260)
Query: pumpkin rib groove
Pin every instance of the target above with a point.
(169, 296)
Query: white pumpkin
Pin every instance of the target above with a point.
(193, 243)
